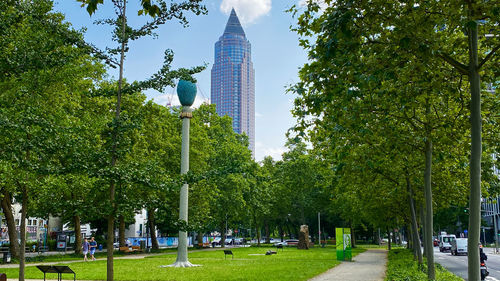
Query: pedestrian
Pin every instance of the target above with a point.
(93, 246)
(85, 247)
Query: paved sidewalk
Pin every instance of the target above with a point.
(368, 266)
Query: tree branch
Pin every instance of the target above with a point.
(459, 66)
(488, 56)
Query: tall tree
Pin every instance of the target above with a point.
(41, 67)
(429, 31)
(123, 34)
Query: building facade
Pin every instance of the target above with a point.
(233, 79)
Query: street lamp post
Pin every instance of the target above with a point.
(186, 91)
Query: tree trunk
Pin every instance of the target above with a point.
(121, 231)
(410, 243)
(379, 238)
(199, 237)
(257, 231)
(388, 239)
(353, 236)
(22, 261)
(302, 215)
(152, 229)
(114, 156)
(431, 273)
(78, 235)
(280, 229)
(422, 219)
(266, 227)
(476, 150)
(289, 231)
(109, 245)
(414, 226)
(11, 224)
(223, 237)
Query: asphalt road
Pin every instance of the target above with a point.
(458, 264)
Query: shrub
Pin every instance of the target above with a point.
(52, 244)
(401, 266)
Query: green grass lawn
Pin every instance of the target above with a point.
(291, 264)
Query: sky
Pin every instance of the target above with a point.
(276, 55)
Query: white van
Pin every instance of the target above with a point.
(459, 246)
(445, 242)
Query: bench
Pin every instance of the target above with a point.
(59, 269)
(228, 252)
(130, 250)
(279, 246)
(125, 249)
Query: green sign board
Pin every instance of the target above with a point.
(343, 243)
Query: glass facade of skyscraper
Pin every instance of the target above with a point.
(233, 79)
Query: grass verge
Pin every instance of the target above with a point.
(401, 266)
(248, 264)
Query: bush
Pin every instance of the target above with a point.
(52, 244)
(401, 266)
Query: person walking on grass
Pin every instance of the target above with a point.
(93, 246)
(85, 247)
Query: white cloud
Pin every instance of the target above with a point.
(261, 151)
(321, 3)
(173, 100)
(248, 11)
(258, 115)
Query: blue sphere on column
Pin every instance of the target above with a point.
(186, 91)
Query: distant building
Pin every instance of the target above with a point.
(233, 79)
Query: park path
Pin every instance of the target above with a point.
(367, 266)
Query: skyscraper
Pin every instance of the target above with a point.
(233, 79)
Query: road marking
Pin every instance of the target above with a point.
(491, 278)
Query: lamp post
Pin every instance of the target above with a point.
(186, 91)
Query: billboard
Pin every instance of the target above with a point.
(343, 244)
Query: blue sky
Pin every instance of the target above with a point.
(275, 53)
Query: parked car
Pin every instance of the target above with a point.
(216, 241)
(229, 241)
(436, 242)
(263, 240)
(292, 242)
(238, 241)
(459, 246)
